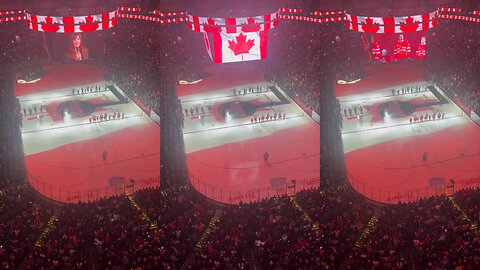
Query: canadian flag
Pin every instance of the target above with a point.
(239, 46)
(72, 24)
(390, 25)
(233, 25)
(235, 39)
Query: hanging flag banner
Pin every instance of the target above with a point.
(71, 24)
(239, 47)
(387, 25)
(233, 25)
(235, 39)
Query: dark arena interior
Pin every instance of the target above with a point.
(228, 134)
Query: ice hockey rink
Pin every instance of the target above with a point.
(226, 139)
(404, 139)
(69, 119)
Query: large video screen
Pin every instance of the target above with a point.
(385, 48)
(75, 47)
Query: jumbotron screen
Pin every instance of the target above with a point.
(386, 48)
(74, 47)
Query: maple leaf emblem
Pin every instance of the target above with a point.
(371, 27)
(409, 25)
(241, 46)
(251, 25)
(213, 28)
(52, 27)
(88, 25)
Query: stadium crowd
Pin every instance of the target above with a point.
(316, 229)
(454, 60)
(313, 48)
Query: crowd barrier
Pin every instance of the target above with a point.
(392, 196)
(231, 196)
(67, 195)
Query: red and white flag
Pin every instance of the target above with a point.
(233, 25)
(239, 47)
(235, 39)
(390, 25)
(71, 24)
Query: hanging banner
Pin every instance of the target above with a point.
(233, 25)
(390, 25)
(71, 24)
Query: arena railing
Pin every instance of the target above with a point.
(234, 196)
(67, 195)
(392, 196)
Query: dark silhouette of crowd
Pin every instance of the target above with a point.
(316, 49)
(317, 229)
(454, 60)
(18, 49)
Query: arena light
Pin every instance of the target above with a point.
(291, 10)
(328, 13)
(130, 9)
(311, 19)
(447, 9)
(11, 12)
(459, 17)
(169, 14)
(13, 18)
(151, 18)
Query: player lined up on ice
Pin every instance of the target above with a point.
(199, 108)
(106, 117)
(248, 90)
(409, 90)
(89, 89)
(353, 110)
(426, 117)
(267, 117)
(35, 110)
